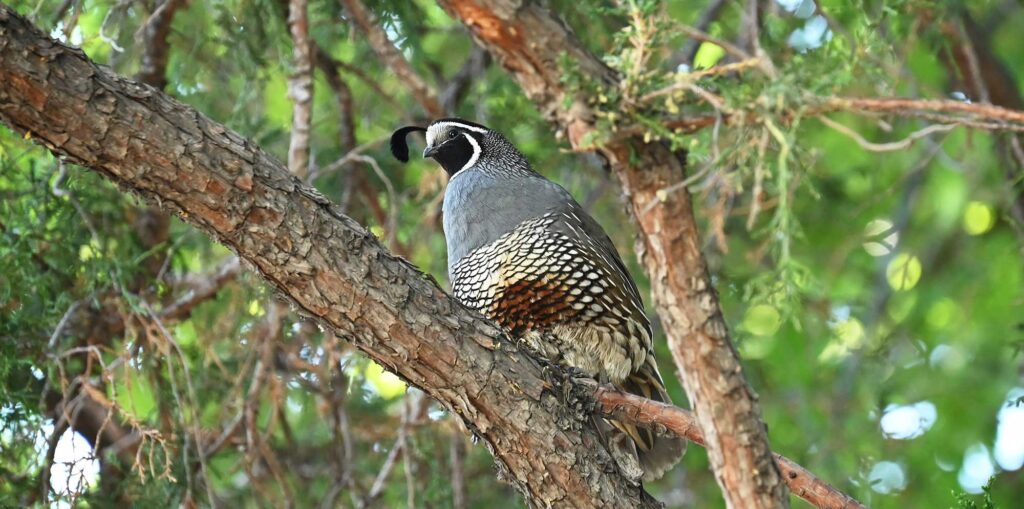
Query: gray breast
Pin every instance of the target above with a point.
(480, 207)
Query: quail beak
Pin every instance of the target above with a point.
(429, 152)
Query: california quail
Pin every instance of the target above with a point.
(524, 253)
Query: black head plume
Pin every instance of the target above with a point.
(399, 148)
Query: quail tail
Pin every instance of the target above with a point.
(657, 454)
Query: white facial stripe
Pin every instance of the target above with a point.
(476, 152)
(435, 129)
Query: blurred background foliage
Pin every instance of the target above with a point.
(876, 298)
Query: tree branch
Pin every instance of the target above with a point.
(329, 266)
(979, 116)
(300, 87)
(378, 39)
(981, 112)
(202, 288)
(688, 50)
(529, 41)
(973, 64)
(153, 35)
(460, 83)
(632, 408)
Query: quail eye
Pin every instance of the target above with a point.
(452, 134)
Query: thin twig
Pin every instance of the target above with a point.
(729, 47)
(192, 404)
(51, 452)
(351, 156)
(202, 289)
(455, 90)
(755, 193)
(457, 455)
(346, 121)
(978, 116)
(384, 473)
(688, 51)
(410, 414)
(885, 147)
(407, 457)
(52, 343)
(685, 80)
(392, 224)
(899, 105)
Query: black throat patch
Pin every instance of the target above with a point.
(454, 154)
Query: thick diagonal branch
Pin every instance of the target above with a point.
(529, 42)
(330, 267)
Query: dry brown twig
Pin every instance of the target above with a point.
(910, 107)
(688, 50)
(729, 47)
(166, 340)
(973, 115)
(392, 220)
(412, 409)
(885, 147)
(685, 80)
(679, 422)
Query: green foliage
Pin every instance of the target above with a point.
(855, 283)
(964, 501)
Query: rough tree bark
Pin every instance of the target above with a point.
(528, 41)
(329, 266)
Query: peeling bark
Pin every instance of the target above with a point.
(528, 41)
(330, 267)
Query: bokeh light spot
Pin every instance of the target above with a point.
(976, 470)
(978, 218)
(386, 384)
(887, 477)
(1009, 446)
(903, 272)
(849, 335)
(905, 422)
(74, 467)
(880, 237)
(941, 314)
(708, 54)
